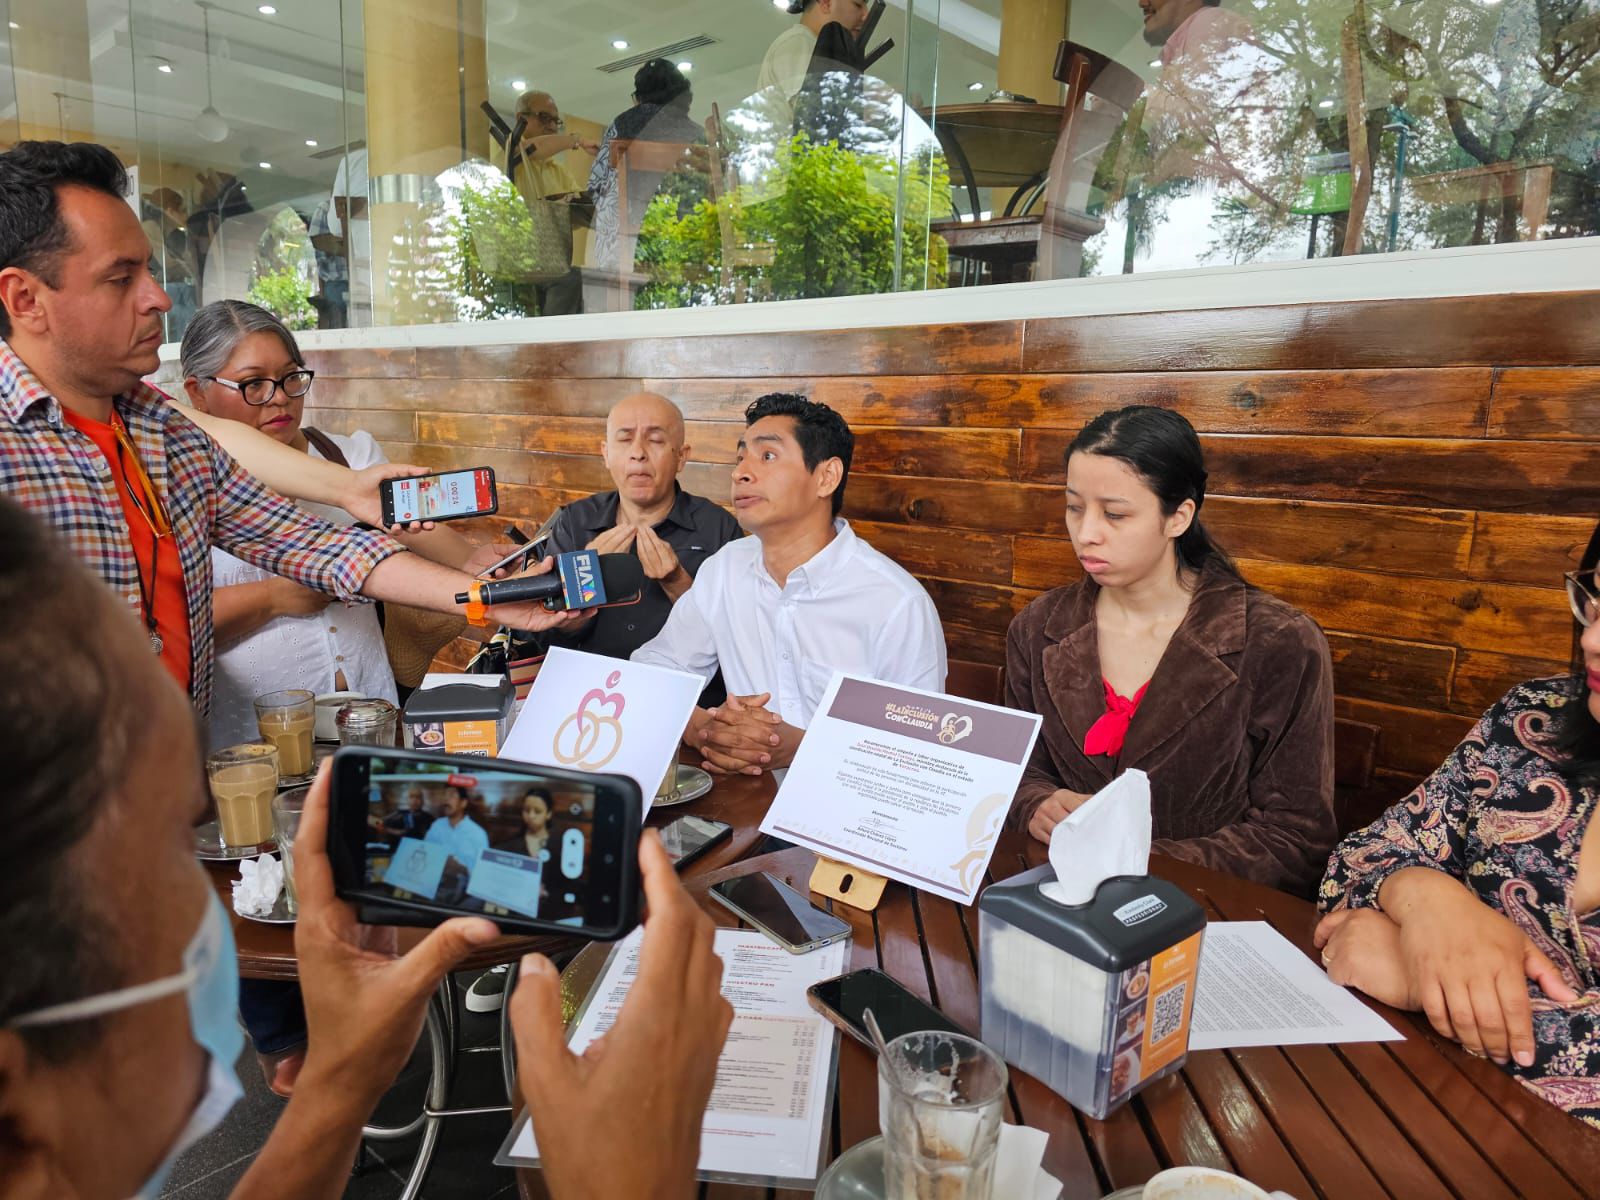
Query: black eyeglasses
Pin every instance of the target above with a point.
(256, 392)
(1583, 597)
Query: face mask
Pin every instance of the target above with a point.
(210, 976)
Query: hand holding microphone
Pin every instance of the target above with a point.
(582, 579)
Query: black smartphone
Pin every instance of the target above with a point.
(443, 496)
(687, 838)
(416, 837)
(780, 912)
(845, 998)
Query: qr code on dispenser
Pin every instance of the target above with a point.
(1168, 1016)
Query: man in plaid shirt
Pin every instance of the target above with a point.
(140, 492)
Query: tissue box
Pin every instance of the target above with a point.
(1093, 999)
(461, 718)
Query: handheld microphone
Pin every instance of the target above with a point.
(582, 579)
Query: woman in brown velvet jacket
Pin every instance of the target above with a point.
(1164, 659)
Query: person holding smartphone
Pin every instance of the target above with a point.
(117, 1037)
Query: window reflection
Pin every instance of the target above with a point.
(397, 161)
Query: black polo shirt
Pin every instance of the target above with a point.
(695, 529)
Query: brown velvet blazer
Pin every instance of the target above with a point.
(1235, 729)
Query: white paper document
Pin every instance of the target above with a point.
(587, 712)
(1257, 989)
(905, 783)
(770, 1106)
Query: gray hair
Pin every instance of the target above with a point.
(218, 328)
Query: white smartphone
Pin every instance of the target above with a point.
(780, 912)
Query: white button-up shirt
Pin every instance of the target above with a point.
(298, 652)
(849, 608)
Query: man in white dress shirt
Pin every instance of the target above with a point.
(780, 612)
(783, 68)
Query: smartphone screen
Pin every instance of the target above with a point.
(897, 1010)
(529, 847)
(688, 837)
(441, 497)
(779, 910)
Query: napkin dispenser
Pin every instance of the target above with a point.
(1093, 999)
(460, 718)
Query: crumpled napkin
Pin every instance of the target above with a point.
(1017, 1171)
(256, 890)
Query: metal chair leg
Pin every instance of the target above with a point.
(438, 1093)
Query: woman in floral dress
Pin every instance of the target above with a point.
(1476, 899)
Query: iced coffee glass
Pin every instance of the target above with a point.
(940, 1102)
(289, 721)
(287, 808)
(243, 780)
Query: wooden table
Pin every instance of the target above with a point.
(1412, 1120)
(1000, 145)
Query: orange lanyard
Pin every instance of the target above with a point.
(155, 516)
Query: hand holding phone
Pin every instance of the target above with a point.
(780, 912)
(442, 496)
(416, 837)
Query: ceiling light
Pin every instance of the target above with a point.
(519, 85)
(311, 141)
(209, 124)
(619, 43)
(1324, 103)
(974, 87)
(265, 166)
(781, 4)
(266, 10)
(686, 67)
(14, 25)
(1155, 62)
(161, 64)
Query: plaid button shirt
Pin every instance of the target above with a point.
(59, 473)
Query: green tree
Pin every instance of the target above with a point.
(283, 293)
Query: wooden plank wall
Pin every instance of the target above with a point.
(1414, 474)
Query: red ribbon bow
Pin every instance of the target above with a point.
(1108, 733)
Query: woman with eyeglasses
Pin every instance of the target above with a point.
(242, 364)
(1476, 899)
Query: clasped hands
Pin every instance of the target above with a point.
(741, 736)
(1439, 949)
(659, 560)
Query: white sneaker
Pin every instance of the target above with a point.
(488, 991)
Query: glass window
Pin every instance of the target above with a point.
(384, 162)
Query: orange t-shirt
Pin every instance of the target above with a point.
(168, 599)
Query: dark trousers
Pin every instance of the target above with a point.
(274, 1015)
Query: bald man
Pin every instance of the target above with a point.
(649, 516)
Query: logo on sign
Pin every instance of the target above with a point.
(953, 728)
(1136, 911)
(589, 738)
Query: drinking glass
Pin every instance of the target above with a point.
(287, 808)
(243, 780)
(940, 1101)
(289, 721)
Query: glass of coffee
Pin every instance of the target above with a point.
(287, 808)
(940, 1102)
(289, 721)
(243, 779)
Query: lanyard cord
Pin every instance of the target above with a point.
(154, 518)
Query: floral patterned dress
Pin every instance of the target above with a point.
(1500, 816)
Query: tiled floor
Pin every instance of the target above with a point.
(463, 1166)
